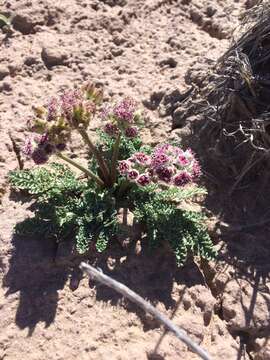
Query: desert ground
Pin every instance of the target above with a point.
(151, 50)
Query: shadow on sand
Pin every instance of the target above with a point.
(34, 274)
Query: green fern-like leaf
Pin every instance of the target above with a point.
(178, 194)
(184, 230)
(44, 181)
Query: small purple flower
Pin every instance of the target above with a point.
(39, 156)
(131, 132)
(182, 160)
(69, 100)
(105, 112)
(111, 129)
(133, 174)
(123, 167)
(182, 178)
(189, 153)
(124, 110)
(28, 147)
(159, 159)
(196, 170)
(90, 107)
(144, 179)
(52, 108)
(141, 159)
(41, 139)
(165, 174)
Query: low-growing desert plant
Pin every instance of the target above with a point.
(122, 173)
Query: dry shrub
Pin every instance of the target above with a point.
(233, 103)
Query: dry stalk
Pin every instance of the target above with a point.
(145, 305)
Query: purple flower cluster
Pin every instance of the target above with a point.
(121, 118)
(70, 100)
(72, 108)
(136, 168)
(174, 166)
(39, 148)
(124, 110)
(167, 164)
(55, 122)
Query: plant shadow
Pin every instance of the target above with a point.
(32, 273)
(151, 274)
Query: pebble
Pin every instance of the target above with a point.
(170, 62)
(6, 86)
(53, 56)
(30, 60)
(23, 24)
(3, 71)
(116, 51)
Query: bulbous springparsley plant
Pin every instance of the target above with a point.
(121, 172)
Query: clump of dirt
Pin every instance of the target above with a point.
(144, 49)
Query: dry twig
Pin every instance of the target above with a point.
(146, 306)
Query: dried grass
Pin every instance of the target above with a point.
(235, 102)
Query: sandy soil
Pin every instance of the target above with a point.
(142, 48)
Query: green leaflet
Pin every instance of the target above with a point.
(183, 230)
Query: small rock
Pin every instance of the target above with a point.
(131, 83)
(210, 10)
(170, 102)
(53, 56)
(187, 302)
(138, 247)
(196, 16)
(119, 40)
(171, 62)
(75, 279)
(179, 117)
(3, 71)
(23, 23)
(30, 60)
(154, 101)
(111, 263)
(117, 51)
(6, 86)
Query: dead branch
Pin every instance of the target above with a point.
(17, 151)
(146, 306)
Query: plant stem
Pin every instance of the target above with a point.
(122, 188)
(88, 172)
(102, 164)
(115, 158)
